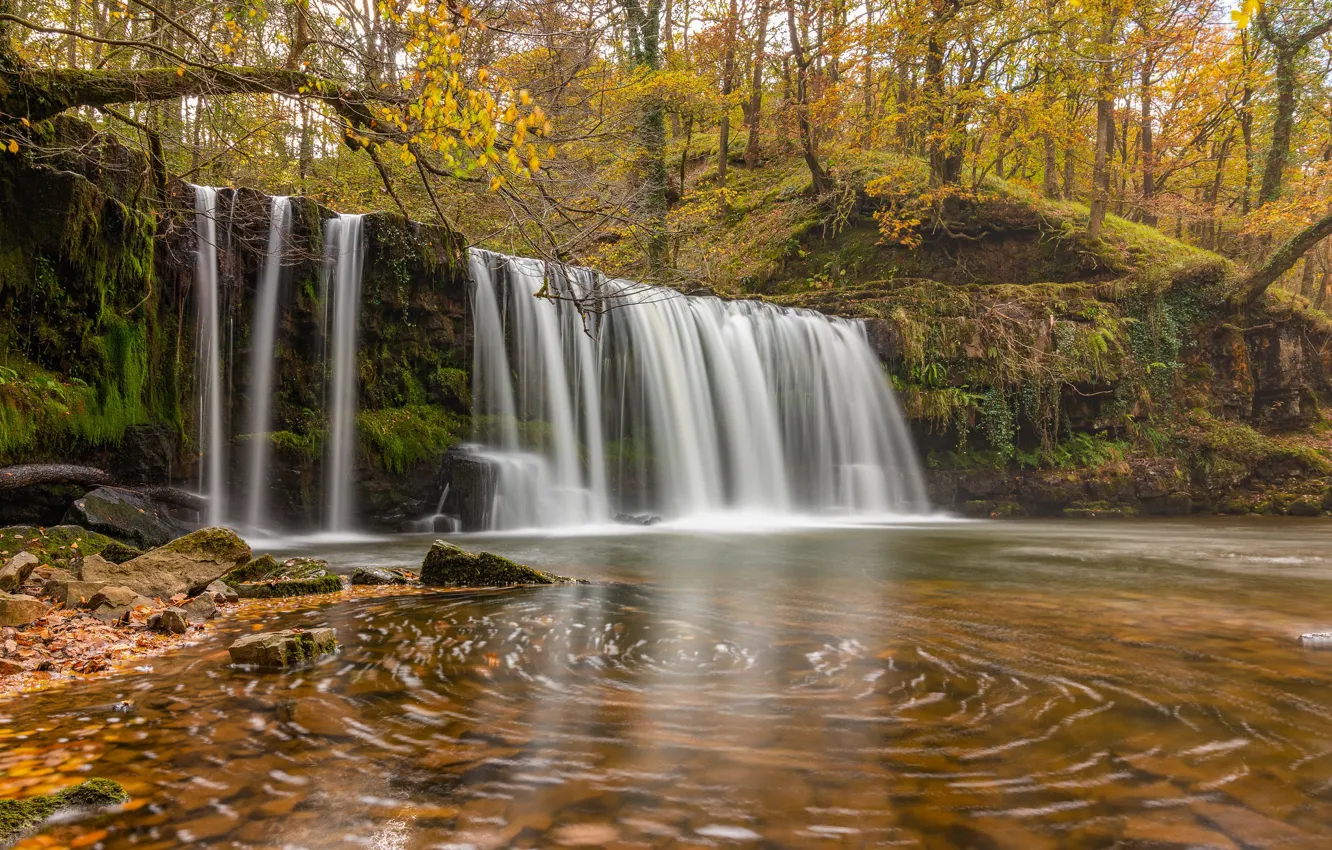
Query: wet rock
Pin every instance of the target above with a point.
(265, 577)
(637, 519)
(172, 621)
(114, 604)
(222, 592)
(185, 565)
(16, 571)
(1305, 506)
(20, 816)
(1317, 640)
(122, 514)
(72, 593)
(19, 610)
(1157, 477)
(289, 648)
(375, 575)
(447, 565)
(200, 609)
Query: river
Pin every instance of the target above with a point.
(946, 684)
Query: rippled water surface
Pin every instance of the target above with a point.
(953, 685)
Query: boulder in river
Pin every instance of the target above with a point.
(185, 565)
(200, 609)
(288, 648)
(19, 610)
(447, 565)
(20, 816)
(378, 575)
(172, 621)
(122, 514)
(266, 577)
(16, 571)
(637, 519)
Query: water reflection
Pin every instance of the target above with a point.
(979, 686)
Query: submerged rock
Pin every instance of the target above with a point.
(289, 648)
(19, 816)
(16, 571)
(266, 577)
(19, 610)
(637, 519)
(447, 565)
(185, 565)
(376, 575)
(122, 514)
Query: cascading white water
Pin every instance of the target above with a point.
(722, 405)
(263, 359)
(208, 355)
(344, 260)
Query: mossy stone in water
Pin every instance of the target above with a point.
(265, 577)
(447, 565)
(288, 648)
(19, 816)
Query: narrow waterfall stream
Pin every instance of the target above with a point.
(263, 361)
(345, 255)
(709, 405)
(208, 356)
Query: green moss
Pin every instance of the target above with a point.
(219, 544)
(294, 587)
(261, 568)
(20, 816)
(118, 553)
(266, 577)
(57, 546)
(398, 438)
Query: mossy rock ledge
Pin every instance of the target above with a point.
(266, 577)
(20, 816)
(447, 565)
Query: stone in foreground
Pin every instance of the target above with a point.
(376, 575)
(221, 592)
(20, 816)
(1317, 640)
(172, 621)
(289, 648)
(19, 610)
(16, 571)
(447, 565)
(185, 565)
(115, 604)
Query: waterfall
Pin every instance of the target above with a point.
(714, 405)
(263, 359)
(344, 259)
(208, 356)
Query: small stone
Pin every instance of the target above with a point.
(114, 604)
(200, 609)
(18, 816)
(1317, 640)
(375, 575)
(172, 621)
(288, 648)
(16, 571)
(222, 592)
(19, 610)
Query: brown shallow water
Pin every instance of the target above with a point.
(957, 685)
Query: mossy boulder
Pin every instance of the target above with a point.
(123, 515)
(185, 565)
(20, 816)
(447, 565)
(288, 648)
(118, 553)
(266, 577)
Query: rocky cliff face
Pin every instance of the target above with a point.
(97, 335)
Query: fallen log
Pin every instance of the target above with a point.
(41, 474)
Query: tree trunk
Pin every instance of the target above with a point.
(728, 86)
(752, 149)
(1100, 199)
(1051, 174)
(1148, 151)
(819, 179)
(1278, 152)
(1285, 257)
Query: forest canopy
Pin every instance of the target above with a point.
(592, 131)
